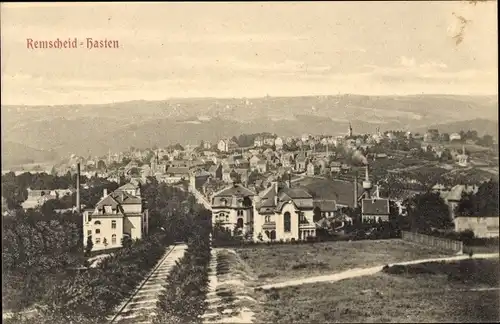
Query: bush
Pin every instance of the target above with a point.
(96, 292)
(187, 283)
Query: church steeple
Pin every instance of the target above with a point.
(349, 130)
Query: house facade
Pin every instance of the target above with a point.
(226, 145)
(376, 209)
(117, 215)
(232, 208)
(282, 213)
(483, 227)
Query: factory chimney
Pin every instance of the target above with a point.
(367, 185)
(355, 190)
(78, 205)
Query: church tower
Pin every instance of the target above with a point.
(349, 131)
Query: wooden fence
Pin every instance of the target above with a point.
(433, 241)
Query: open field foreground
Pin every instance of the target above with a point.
(278, 263)
(464, 291)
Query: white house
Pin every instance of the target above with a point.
(455, 137)
(277, 213)
(226, 145)
(282, 213)
(116, 216)
(278, 142)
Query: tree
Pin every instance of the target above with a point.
(101, 165)
(127, 242)
(445, 137)
(89, 246)
(486, 140)
(428, 211)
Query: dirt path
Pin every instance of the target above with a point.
(359, 272)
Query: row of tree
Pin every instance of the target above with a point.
(15, 187)
(482, 203)
(184, 300)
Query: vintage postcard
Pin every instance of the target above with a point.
(250, 162)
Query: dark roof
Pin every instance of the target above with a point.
(178, 170)
(296, 193)
(325, 205)
(236, 190)
(375, 206)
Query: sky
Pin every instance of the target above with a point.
(247, 49)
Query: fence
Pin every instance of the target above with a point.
(432, 241)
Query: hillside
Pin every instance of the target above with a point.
(94, 129)
(15, 154)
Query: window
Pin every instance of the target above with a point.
(273, 235)
(97, 240)
(239, 223)
(97, 231)
(267, 219)
(89, 232)
(287, 222)
(113, 224)
(97, 223)
(240, 212)
(113, 239)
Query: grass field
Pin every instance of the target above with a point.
(418, 296)
(277, 263)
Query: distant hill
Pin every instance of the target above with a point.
(95, 129)
(15, 154)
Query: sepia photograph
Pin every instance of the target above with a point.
(250, 162)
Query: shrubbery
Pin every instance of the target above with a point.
(187, 283)
(96, 292)
(467, 237)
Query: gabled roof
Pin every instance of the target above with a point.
(296, 193)
(128, 186)
(325, 205)
(178, 170)
(237, 190)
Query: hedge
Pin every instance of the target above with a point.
(184, 300)
(95, 293)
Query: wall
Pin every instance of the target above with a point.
(481, 226)
(106, 232)
(294, 217)
(385, 218)
(132, 225)
(132, 208)
(432, 241)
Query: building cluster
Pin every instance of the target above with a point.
(254, 191)
(283, 211)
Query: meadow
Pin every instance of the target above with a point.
(277, 263)
(464, 291)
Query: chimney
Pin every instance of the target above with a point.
(355, 190)
(78, 205)
(104, 192)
